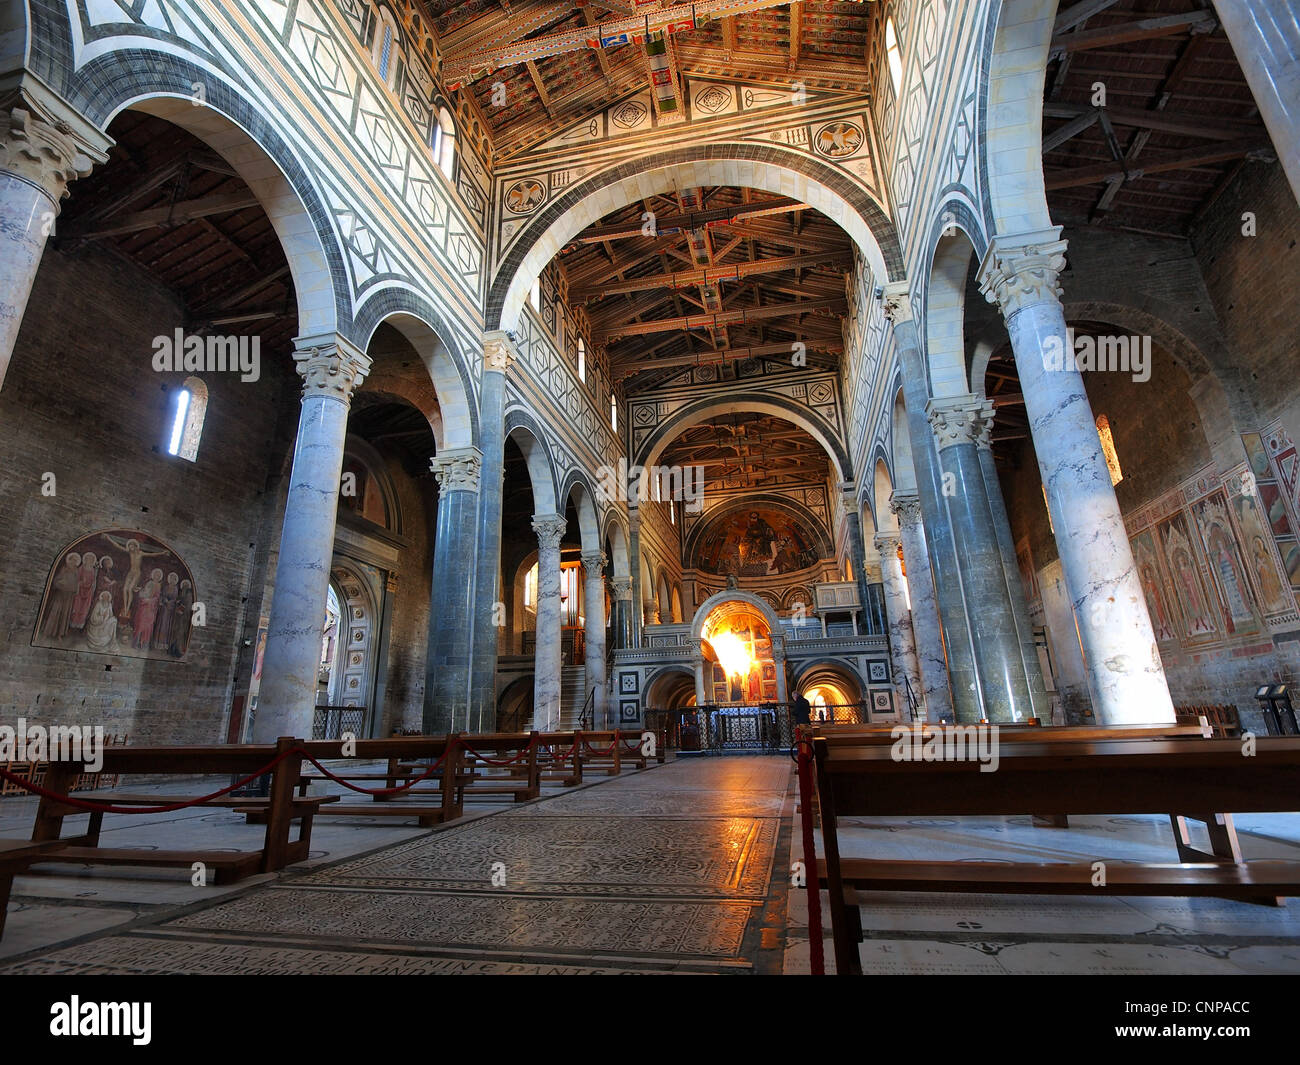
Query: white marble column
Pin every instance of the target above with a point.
(593, 603)
(925, 608)
(1125, 676)
(1265, 34)
(902, 641)
(331, 368)
(40, 152)
(548, 658)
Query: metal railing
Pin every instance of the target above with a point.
(331, 722)
(734, 728)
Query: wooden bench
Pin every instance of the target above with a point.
(277, 850)
(399, 753)
(611, 749)
(521, 779)
(1225, 720)
(559, 757)
(15, 856)
(1080, 777)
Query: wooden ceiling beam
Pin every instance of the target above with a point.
(171, 215)
(713, 321)
(1219, 153)
(1128, 32)
(709, 275)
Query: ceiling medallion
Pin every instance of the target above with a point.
(837, 140)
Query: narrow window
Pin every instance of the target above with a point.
(444, 142)
(894, 56)
(582, 359)
(187, 419)
(1108, 449)
(535, 295)
(613, 412)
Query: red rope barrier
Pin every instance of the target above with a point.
(600, 750)
(813, 880)
(497, 762)
(108, 808)
(397, 789)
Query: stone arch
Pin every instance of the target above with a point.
(676, 603)
(664, 596)
(428, 333)
(362, 451)
(769, 168)
(359, 642)
(690, 414)
(1019, 35)
(669, 688)
(904, 470)
(265, 163)
(691, 544)
(945, 315)
(806, 675)
(529, 437)
(616, 537)
(883, 489)
(739, 599)
(577, 489)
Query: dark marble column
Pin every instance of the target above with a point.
(447, 668)
(961, 426)
(593, 604)
(621, 611)
(939, 542)
(925, 611)
(331, 369)
(634, 562)
(857, 551)
(489, 611)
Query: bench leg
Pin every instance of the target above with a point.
(1224, 846)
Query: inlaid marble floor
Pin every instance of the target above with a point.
(665, 870)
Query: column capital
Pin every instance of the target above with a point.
(961, 420)
(898, 302)
(594, 562)
(888, 543)
(499, 351)
(848, 497)
(907, 507)
(621, 588)
(550, 530)
(457, 469)
(1022, 269)
(330, 366)
(44, 140)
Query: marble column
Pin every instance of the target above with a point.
(1126, 679)
(498, 355)
(961, 427)
(621, 596)
(939, 543)
(902, 641)
(593, 602)
(702, 689)
(926, 630)
(44, 145)
(1265, 34)
(1015, 587)
(857, 551)
(637, 616)
(331, 368)
(451, 603)
(548, 658)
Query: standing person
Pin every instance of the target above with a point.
(800, 714)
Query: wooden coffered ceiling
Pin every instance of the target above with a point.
(732, 277)
(1178, 119)
(749, 452)
(547, 55)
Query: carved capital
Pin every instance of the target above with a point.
(330, 366)
(45, 141)
(594, 563)
(550, 531)
(961, 420)
(622, 588)
(907, 507)
(499, 352)
(1021, 270)
(887, 544)
(457, 470)
(898, 302)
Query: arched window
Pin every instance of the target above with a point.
(893, 55)
(386, 51)
(582, 359)
(443, 143)
(191, 406)
(530, 589)
(613, 412)
(1108, 449)
(535, 295)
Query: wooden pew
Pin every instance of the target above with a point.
(1081, 777)
(401, 753)
(559, 757)
(282, 809)
(611, 749)
(521, 779)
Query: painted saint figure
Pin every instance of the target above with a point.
(63, 590)
(136, 554)
(101, 630)
(184, 620)
(162, 629)
(85, 596)
(146, 611)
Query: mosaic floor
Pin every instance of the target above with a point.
(664, 870)
(681, 868)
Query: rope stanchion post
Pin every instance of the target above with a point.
(817, 950)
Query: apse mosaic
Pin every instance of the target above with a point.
(118, 592)
(756, 543)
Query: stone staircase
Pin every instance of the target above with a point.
(573, 694)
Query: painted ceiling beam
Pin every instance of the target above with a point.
(712, 274)
(736, 317)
